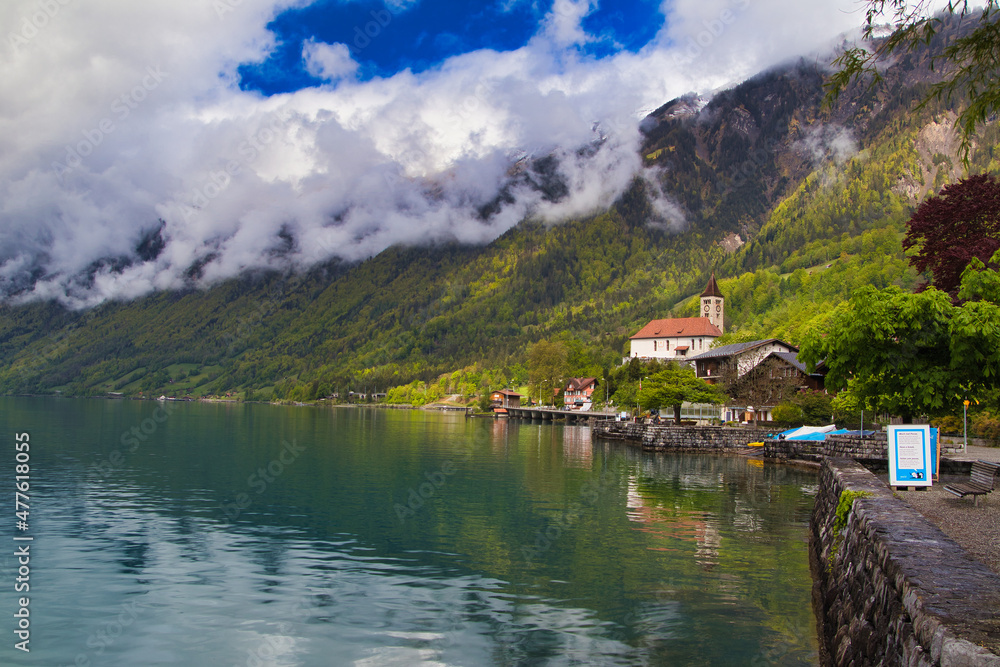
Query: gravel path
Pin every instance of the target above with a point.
(976, 529)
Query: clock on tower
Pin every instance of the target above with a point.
(712, 296)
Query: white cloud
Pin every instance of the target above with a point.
(396, 6)
(328, 61)
(115, 113)
(562, 25)
(824, 143)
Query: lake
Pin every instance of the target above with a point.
(238, 534)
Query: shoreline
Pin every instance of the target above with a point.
(909, 576)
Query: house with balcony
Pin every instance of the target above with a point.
(757, 374)
(578, 393)
(505, 398)
(730, 362)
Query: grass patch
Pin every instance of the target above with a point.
(841, 517)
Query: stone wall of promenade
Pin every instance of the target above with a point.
(891, 588)
(870, 448)
(679, 438)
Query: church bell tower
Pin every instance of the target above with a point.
(713, 303)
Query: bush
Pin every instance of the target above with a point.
(985, 425)
(816, 406)
(949, 424)
(787, 414)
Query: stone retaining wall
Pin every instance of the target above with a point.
(870, 448)
(679, 438)
(891, 588)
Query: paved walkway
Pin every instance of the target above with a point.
(976, 529)
(984, 453)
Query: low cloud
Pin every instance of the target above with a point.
(825, 143)
(115, 115)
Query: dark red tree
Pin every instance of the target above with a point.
(951, 228)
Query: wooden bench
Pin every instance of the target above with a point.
(980, 481)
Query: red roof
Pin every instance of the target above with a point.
(678, 326)
(578, 383)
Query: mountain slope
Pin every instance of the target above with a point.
(792, 205)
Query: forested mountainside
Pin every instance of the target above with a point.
(792, 205)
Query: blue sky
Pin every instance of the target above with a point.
(385, 40)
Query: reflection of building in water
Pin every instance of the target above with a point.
(709, 542)
(501, 435)
(674, 523)
(746, 518)
(577, 447)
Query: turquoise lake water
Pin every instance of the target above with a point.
(229, 534)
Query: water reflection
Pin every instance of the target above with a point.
(669, 524)
(578, 449)
(657, 560)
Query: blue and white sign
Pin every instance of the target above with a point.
(910, 462)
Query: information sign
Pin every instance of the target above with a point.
(910, 462)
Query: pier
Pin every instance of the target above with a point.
(553, 414)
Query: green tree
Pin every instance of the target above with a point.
(913, 354)
(847, 412)
(675, 385)
(547, 367)
(967, 63)
(890, 349)
(816, 407)
(626, 395)
(975, 329)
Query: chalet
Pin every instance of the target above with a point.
(682, 337)
(578, 392)
(505, 398)
(759, 373)
(730, 362)
(787, 365)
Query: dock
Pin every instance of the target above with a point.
(554, 414)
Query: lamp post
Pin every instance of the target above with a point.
(965, 426)
(638, 406)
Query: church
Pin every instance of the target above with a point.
(682, 337)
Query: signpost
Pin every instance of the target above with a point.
(910, 462)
